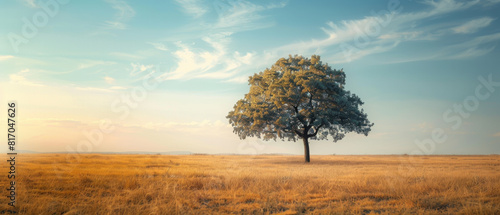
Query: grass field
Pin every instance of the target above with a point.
(208, 184)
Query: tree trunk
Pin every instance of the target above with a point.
(306, 150)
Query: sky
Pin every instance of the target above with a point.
(122, 76)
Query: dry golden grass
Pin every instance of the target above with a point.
(207, 184)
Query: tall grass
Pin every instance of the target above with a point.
(206, 184)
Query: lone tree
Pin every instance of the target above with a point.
(298, 98)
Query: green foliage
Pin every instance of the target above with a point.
(298, 98)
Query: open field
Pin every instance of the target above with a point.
(208, 184)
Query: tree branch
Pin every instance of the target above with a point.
(298, 115)
(315, 131)
(298, 133)
(310, 99)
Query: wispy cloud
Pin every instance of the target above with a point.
(217, 61)
(57, 122)
(242, 15)
(238, 80)
(491, 2)
(475, 47)
(159, 46)
(92, 63)
(30, 77)
(30, 3)
(473, 25)
(232, 16)
(497, 134)
(115, 25)
(409, 36)
(191, 63)
(355, 54)
(463, 52)
(6, 57)
(350, 40)
(109, 80)
(214, 63)
(181, 126)
(123, 14)
(193, 7)
(21, 78)
(139, 68)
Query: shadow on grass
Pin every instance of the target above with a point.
(328, 162)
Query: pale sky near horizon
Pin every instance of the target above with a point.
(71, 65)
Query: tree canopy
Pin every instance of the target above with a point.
(299, 98)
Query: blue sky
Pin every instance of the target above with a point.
(74, 65)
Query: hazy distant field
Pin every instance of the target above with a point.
(206, 184)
